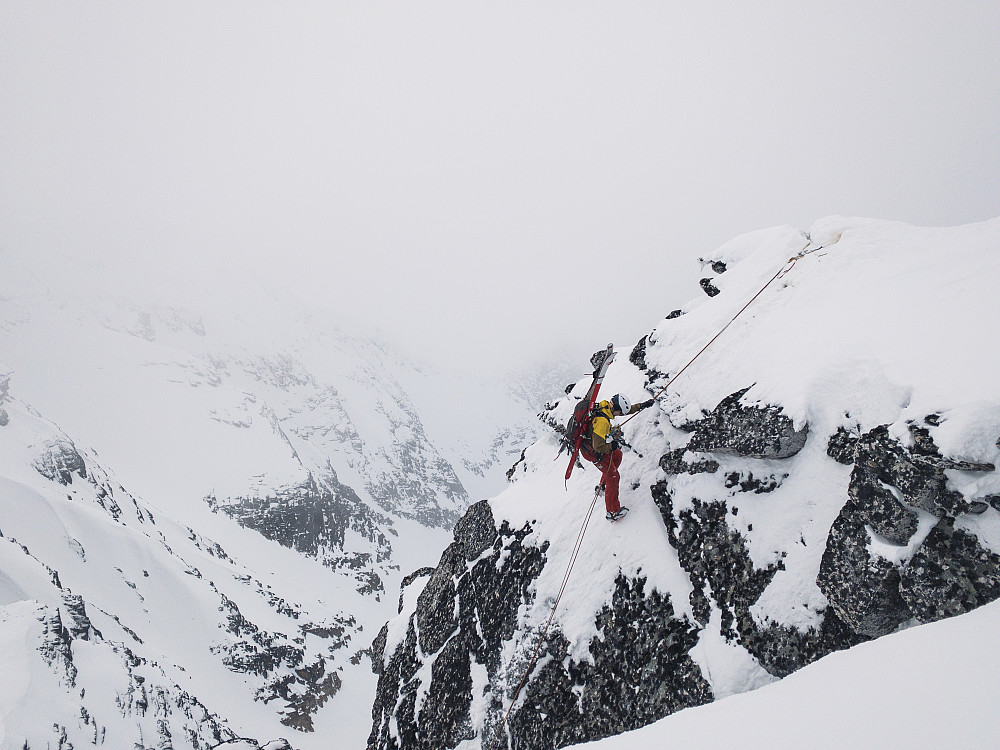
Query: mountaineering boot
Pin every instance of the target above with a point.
(618, 515)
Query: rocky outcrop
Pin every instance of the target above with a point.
(468, 610)
(891, 484)
(862, 588)
(313, 518)
(751, 431)
(60, 461)
(717, 267)
(708, 287)
(893, 555)
(638, 354)
(724, 578)
(641, 671)
(952, 573)
(468, 607)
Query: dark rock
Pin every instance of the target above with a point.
(640, 673)
(79, 625)
(436, 618)
(598, 357)
(919, 474)
(301, 705)
(709, 288)
(313, 518)
(877, 506)
(863, 590)
(673, 463)
(751, 431)
(842, 446)
(476, 531)
(641, 669)
(782, 650)
(718, 266)
(56, 647)
(522, 462)
(377, 650)
(487, 599)
(59, 461)
(638, 355)
(716, 559)
(674, 314)
(663, 498)
(395, 697)
(445, 718)
(950, 574)
(749, 483)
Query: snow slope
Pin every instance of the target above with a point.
(929, 687)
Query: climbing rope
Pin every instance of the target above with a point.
(577, 546)
(781, 272)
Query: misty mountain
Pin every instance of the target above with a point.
(208, 505)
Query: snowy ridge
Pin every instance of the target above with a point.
(825, 474)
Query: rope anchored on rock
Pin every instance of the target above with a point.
(782, 272)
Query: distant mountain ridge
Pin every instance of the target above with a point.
(256, 480)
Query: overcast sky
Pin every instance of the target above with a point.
(458, 172)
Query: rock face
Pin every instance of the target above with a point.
(751, 431)
(896, 553)
(467, 611)
(314, 518)
(890, 485)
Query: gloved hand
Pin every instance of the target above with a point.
(615, 439)
(647, 404)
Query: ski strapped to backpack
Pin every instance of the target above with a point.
(582, 413)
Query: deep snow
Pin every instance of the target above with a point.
(934, 686)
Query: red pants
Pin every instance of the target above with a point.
(608, 464)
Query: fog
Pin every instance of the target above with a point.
(484, 182)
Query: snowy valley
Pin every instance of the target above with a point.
(207, 508)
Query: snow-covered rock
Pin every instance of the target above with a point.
(823, 474)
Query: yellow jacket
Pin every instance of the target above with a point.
(600, 427)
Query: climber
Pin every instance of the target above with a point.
(600, 445)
